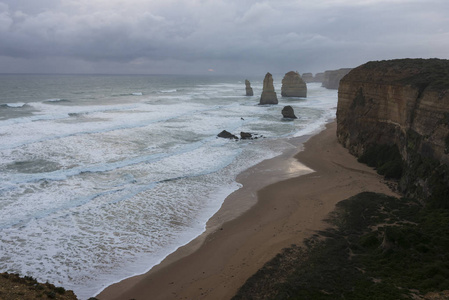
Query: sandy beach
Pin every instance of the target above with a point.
(281, 206)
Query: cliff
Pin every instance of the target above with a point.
(331, 78)
(405, 104)
(293, 85)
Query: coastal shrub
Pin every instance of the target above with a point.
(446, 144)
(426, 179)
(380, 247)
(385, 158)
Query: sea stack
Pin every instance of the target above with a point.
(293, 85)
(268, 94)
(288, 112)
(249, 89)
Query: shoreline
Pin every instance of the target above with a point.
(282, 201)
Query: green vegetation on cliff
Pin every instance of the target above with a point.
(422, 73)
(379, 248)
(385, 158)
(13, 287)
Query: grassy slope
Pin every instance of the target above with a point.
(379, 248)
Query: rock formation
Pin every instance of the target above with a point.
(293, 85)
(245, 135)
(288, 112)
(268, 94)
(319, 77)
(403, 103)
(308, 77)
(332, 78)
(227, 135)
(249, 89)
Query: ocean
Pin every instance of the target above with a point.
(103, 176)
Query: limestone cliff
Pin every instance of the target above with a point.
(268, 94)
(404, 103)
(331, 78)
(293, 85)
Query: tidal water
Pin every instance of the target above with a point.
(101, 177)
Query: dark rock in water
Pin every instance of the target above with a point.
(293, 85)
(268, 94)
(288, 112)
(227, 135)
(249, 89)
(245, 135)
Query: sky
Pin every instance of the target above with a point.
(216, 36)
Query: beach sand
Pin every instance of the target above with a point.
(235, 244)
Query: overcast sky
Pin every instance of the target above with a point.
(216, 36)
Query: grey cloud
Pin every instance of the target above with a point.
(172, 35)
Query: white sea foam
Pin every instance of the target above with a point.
(15, 105)
(169, 91)
(97, 190)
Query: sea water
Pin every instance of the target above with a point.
(104, 176)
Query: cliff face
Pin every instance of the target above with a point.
(399, 102)
(331, 78)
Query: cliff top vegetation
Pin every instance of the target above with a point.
(421, 73)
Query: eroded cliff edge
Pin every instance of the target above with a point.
(402, 103)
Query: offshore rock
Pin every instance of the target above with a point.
(293, 85)
(331, 79)
(405, 103)
(319, 77)
(249, 89)
(245, 135)
(268, 94)
(288, 112)
(227, 135)
(307, 77)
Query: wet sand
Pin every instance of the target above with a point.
(277, 206)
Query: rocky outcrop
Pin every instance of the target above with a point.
(308, 77)
(319, 77)
(268, 94)
(227, 135)
(403, 103)
(249, 89)
(293, 85)
(245, 135)
(288, 112)
(331, 79)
